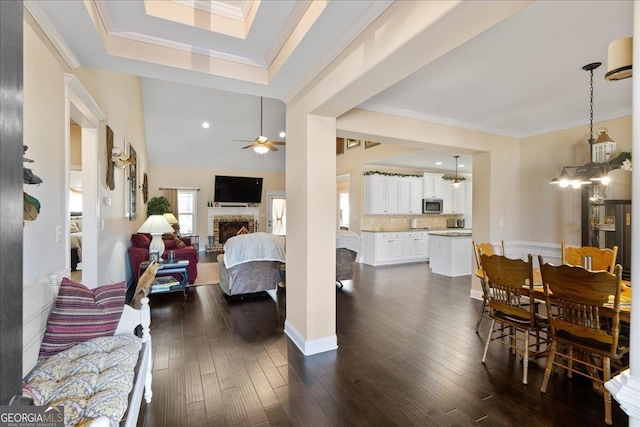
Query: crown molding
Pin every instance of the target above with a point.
(292, 22)
(220, 9)
(578, 123)
(41, 18)
(363, 21)
(114, 30)
(399, 112)
(376, 108)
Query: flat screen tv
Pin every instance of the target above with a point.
(238, 189)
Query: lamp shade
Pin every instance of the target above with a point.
(620, 59)
(171, 218)
(156, 225)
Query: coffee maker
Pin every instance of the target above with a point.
(455, 223)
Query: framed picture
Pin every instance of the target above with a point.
(369, 144)
(352, 143)
(339, 146)
(132, 183)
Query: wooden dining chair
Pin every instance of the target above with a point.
(584, 325)
(510, 282)
(601, 259)
(487, 249)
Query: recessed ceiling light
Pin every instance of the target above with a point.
(205, 125)
(282, 134)
(438, 163)
(461, 166)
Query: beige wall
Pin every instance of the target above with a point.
(119, 98)
(75, 136)
(549, 213)
(174, 177)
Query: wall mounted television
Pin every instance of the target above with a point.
(237, 189)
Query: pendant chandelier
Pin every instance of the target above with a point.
(601, 148)
(456, 181)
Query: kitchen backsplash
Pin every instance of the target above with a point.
(403, 222)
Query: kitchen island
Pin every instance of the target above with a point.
(450, 252)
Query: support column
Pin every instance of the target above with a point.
(311, 231)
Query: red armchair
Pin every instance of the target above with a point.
(139, 252)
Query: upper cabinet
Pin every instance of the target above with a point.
(453, 198)
(432, 185)
(393, 195)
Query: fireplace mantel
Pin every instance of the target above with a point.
(231, 211)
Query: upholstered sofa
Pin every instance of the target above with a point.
(139, 252)
(348, 247)
(251, 263)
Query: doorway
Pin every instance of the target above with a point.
(277, 212)
(82, 110)
(343, 186)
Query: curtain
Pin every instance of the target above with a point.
(279, 217)
(172, 195)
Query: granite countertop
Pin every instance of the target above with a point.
(449, 233)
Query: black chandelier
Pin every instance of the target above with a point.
(594, 171)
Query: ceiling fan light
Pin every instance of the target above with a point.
(261, 149)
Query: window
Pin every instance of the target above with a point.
(187, 211)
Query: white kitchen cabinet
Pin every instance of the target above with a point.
(404, 195)
(432, 185)
(416, 196)
(410, 195)
(381, 194)
(458, 204)
(399, 247)
(447, 196)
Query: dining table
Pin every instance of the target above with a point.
(625, 296)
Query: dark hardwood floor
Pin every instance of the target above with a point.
(408, 355)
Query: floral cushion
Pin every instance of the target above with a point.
(90, 379)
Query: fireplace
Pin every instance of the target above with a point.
(245, 215)
(225, 227)
(230, 229)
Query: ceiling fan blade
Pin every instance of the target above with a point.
(277, 142)
(243, 140)
(249, 146)
(271, 147)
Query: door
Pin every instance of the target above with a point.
(277, 213)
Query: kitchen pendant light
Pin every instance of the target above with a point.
(456, 181)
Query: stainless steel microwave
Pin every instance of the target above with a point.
(431, 206)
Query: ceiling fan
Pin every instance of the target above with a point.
(261, 144)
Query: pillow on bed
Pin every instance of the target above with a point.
(80, 314)
(73, 228)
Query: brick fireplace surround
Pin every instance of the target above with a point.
(224, 222)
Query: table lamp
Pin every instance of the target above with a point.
(156, 225)
(171, 219)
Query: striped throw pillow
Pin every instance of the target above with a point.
(80, 314)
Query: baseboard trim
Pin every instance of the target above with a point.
(476, 294)
(310, 347)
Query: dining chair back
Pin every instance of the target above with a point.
(488, 249)
(601, 259)
(584, 324)
(510, 284)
